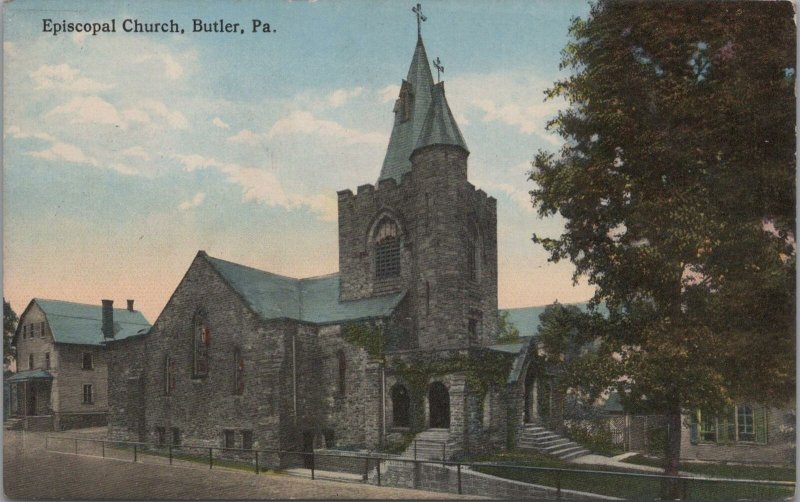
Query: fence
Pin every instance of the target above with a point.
(497, 480)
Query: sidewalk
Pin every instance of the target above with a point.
(616, 462)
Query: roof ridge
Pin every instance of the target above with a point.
(322, 276)
(97, 318)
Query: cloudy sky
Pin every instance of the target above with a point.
(126, 153)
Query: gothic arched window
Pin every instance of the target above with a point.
(238, 372)
(387, 249)
(201, 344)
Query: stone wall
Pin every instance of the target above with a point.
(203, 408)
(66, 421)
(126, 405)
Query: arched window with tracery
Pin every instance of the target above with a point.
(238, 371)
(201, 344)
(387, 249)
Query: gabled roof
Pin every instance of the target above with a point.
(440, 126)
(81, 324)
(314, 300)
(405, 133)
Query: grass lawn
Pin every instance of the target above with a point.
(722, 470)
(629, 487)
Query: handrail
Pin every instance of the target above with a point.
(457, 465)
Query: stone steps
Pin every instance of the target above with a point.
(430, 444)
(539, 439)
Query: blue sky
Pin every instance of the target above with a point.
(126, 153)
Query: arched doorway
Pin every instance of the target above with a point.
(439, 406)
(401, 404)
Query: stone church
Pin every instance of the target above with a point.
(399, 344)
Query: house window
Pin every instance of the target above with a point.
(176, 436)
(202, 342)
(30, 362)
(41, 329)
(238, 372)
(47, 360)
(87, 363)
(743, 423)
(88, 398)
(247, 440)
(228, 439)
(25, 332)
(342, 371)
(169, 375)
(161, 435)
(387, 249)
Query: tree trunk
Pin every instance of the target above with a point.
(673, 454)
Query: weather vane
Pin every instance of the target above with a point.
(439, 68)
(420, 18)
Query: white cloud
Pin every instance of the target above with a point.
(17, 133)
(124, 169)
(341, 96)
(220, 123)
(136, 151)
(64, 151)
(246, 137)
(63, 77)
(172, 69)
(389, 93)
(89, 109)
(149, 108)
(263, 186)
(302, 122)
(195, 201)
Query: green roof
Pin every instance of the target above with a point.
(314, 300)
(440, 127)
(30, 375)
(81, 324)
(526, 319)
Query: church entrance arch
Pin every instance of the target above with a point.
(439, 406)
(401, 406)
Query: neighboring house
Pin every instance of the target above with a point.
(749, 433)
(62, 377)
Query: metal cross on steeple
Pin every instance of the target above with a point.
(420, 18)
(439, 68)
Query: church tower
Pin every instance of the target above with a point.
(424, 229)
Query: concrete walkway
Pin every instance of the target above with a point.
(617, 462)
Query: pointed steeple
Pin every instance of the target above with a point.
(440, 126)
(410, 111)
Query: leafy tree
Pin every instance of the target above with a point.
(9, 326)
(676, 182)
(506, 331)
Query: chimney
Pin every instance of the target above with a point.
(108, 318)
(130, 305)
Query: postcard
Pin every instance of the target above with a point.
(379, 249)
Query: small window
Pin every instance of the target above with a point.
(342, 371)
(169, 375)
(238, 372)
(161, 435)
(472, 329)
(30, 362)
(41, 329)
(247, 440)
(87, 361)
(176, 436)
(25, 332)
(228, 439)
(745, 423)
(47, 360)
(88, 398)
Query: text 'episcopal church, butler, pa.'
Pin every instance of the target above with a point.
(400, 342)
